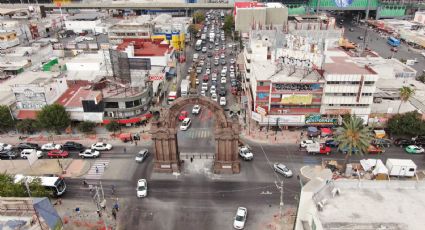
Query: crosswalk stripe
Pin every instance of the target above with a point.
(101, 166)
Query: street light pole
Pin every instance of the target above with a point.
(281, 205)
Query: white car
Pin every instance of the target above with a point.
(231, 67)
(232, 74)
(4, 146)
(100, 146)
(223, 101)
(305, 143)
(225, 69)
(204, 86)
(222, 56)
(185, 124)
(240, 218)
(232, 61)
(89, 153)
(245, 153)
(203, 93)
(189, 70)
(208, 71)
(197, 81)
(50, 146)
(214, 97)
(282, 169)
(214, 77)
(223, 80)
(142, 155)
(204, 49)
(26, 152)
(196, 109)
(213, 90)
(142, 188)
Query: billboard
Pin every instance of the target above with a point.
(297, 99)
(120, 65)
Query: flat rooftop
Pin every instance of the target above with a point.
(147, 48)
(77, 92)
(395, 205)
(339, 62)
(266, 70)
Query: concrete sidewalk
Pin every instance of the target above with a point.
(271, 137)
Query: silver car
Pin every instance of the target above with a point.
(142, 155)
(282, 169)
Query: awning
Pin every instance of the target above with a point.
(130, 120)
(27, 114)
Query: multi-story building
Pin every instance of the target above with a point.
(349, 86)
(83, 22)
(135, 28)
(8, 39)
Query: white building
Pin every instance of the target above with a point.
(83, 22)
(361, 204)
(135, 28)
(88, 66)
(349, 86)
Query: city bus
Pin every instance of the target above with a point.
(55, 184)
(198, 45)
(393, 42)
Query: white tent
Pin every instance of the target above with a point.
(368, 164)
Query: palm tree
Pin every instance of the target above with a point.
(405, 94)
(353, 137)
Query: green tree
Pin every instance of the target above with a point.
(54, 118)
(353, 137)
(421, 78)
(27, 126)
(6, 119)
(198, 17)
(193, 29)
(229, 24)
(86, 126)
(405, 94)
(407, 124)
(11, 189)
(113, 126)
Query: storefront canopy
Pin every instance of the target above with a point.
(130, 120)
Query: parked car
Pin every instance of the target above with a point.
(100, 146)
(142, 155)
(372, 149)
(282, 169)
(345, 150)
(71, 145)
(240, 218)
(414, 149)
(57, 153)
(51, 146)
(27, 145)
(331, 143)
(89, 153)
(142, 188)
(8, 154)
(246, 153)
(196, 109)
(26, 152)
(304, 143)
(382, 142)
(403, 142)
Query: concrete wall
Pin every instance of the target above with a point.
(79, 26)
(276, 16)
(246, 17)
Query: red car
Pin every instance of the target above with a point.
(57, 153)
(183, 115)
(325, 149)
(372, 149)
(205, 78)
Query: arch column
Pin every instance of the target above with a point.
(226, 159)
(166, 150)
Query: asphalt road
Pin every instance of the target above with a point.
(378, 43)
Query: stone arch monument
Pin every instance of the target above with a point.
(164, 137)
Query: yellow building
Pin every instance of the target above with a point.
(176, 40)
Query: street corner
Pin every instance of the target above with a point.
(77, 168)
(271, 218)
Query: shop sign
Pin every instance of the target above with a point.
(256, 116)
(317, 119)
(156, 77)
(261, 110)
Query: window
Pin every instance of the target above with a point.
(129, 104)
(261, 83)
(369, 82)
(111, 105)
(136, 102)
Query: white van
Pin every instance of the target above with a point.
(223, 72)
(195, 57)
(26, 152)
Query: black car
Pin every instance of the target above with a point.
(27, 145)
(331, 143)
(222, 92)
(403, 142)
(209, 54)
(70, 145)
(9, 154)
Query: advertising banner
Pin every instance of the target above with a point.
(297, 99)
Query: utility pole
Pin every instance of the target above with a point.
(100, 204)
(282, 222)
(365, 32)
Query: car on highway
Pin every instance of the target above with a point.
(142, 188)
(89, 153)
(189, 70)
(414, 149)
(204, 49)
(27, 145)
(360, 37)
(245, 153)
(185, 124)
(204, 86)
(142, 155)
(26, 152)
(101, 146)
(203, 93)
(232, 61)
(183, 114)
(214, 77)
(231, 68)
(8, 154)
(403, 142)
(223, 61)
(56, 153)
(197, 81)
(232, 74)
(222, 91)
(4, 147)
(304, 143)
(71, 145)
(216, 62)
(214, 97)
(213, 90)
(199, 69)
(50, 146)
(205, 78)
(282, 169)
(223, 72)
(210, 46)
(240, 218)
(196, 109)
(208, 71)
(209, 54)
(223, 101)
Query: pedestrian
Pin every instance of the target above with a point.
(135, 143)
(97, 169)
(104, 165)
(77, 210)
(116, 207)
(114, 214)
(125, 150)
(191, 159)
(99, 213)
